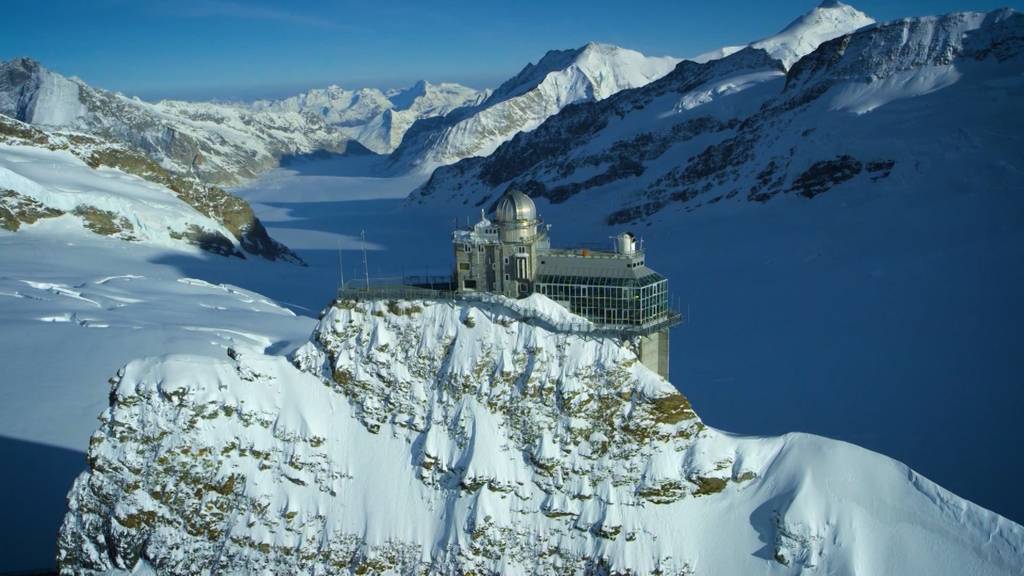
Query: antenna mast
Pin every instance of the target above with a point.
(366, 266)
(341, 266)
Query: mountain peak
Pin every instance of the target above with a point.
(22, 62)
(828, 20)
(827, 16)
(17, 71)
(608, 67)
(600, 47)
(31, 93)
(404, 98)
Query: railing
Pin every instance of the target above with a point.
(355, 291)
(435, 281)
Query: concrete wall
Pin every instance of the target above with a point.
(653, 352)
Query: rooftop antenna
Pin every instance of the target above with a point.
(341, 266)
(366, 266)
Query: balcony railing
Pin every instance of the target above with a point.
(379, 290)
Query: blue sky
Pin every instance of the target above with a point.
(237, 49)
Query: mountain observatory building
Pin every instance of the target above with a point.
(614, 289)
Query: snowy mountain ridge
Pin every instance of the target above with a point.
(227, 143)
(589, 73)
(829, 20)
(593, 72)
(374, 118)
(223, 143)
(741, 128)
(218, 143)
(429, 437)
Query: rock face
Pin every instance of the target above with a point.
(118, 192)
(562, 77)
(433, 438)
(743, 128)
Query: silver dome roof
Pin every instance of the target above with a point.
(515, 206)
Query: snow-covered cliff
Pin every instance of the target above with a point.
(429, 437)
(114, 191)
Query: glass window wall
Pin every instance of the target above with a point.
(634, 301)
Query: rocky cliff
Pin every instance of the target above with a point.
(412, 437)
(116, 191)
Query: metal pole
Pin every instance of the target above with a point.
(366, 265)
(341, 266)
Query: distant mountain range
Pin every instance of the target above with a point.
(642, 133)
(892, 101)
(562, 77)
(227, 143)
(377, 120)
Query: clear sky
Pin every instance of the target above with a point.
(239, 49)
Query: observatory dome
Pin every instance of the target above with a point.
(514, 207)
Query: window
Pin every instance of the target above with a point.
(506, 278)
(506, 260)
(469, 284)
(521, 249)
(467, 247)
(463, 265)
(480, 248)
